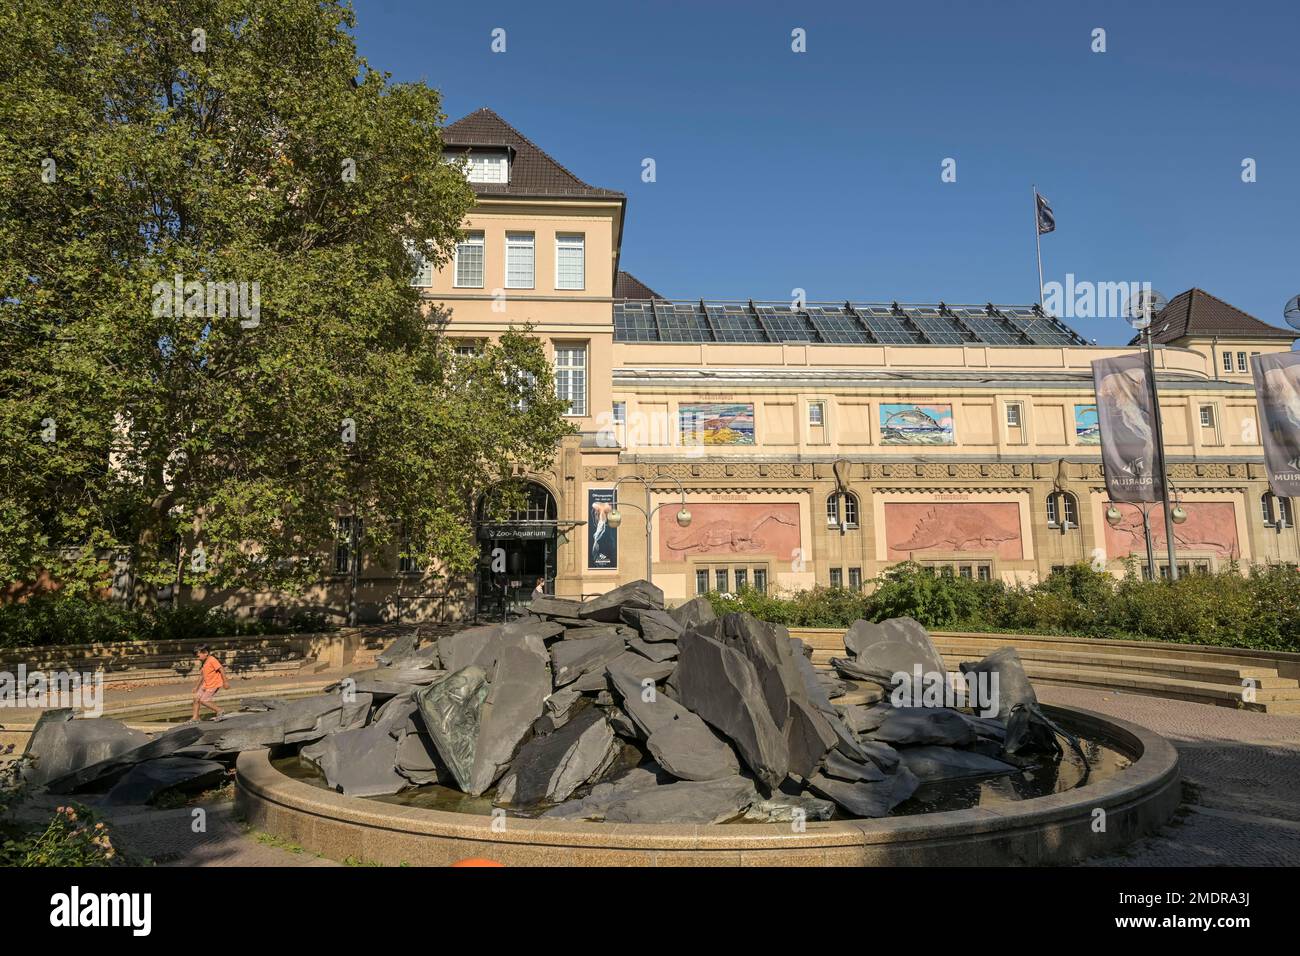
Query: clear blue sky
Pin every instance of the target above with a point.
(821, 170)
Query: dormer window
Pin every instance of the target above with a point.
(487, 167)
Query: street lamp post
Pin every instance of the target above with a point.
(1178, 515)
(615, 517)
(1142, 310)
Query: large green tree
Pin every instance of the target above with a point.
(224, 428)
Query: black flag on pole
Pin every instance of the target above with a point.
(1046, 219)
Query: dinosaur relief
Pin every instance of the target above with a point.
(971, 526)
(731, 529)
(1210, 526)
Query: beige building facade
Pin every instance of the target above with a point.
(814, 443)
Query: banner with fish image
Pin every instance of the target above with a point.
(1124, 414)
(916, 424)
(1277, 389)
(602, 540)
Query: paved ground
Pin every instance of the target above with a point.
(1240, 772)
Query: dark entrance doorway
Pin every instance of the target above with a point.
(514, 553)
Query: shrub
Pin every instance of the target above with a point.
(73, 837)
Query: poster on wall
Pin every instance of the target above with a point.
(602, 540)
(1087, 429)
(1277, 388)
(716, 423)
(916, 424)
(1128, 444)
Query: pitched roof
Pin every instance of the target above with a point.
(628, 286)
(1196, 313)
(532, 171)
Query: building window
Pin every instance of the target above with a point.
(742, 578)
(855, 579)
(850, 510)
(487, 168)
(519, 260)
(720, 580)
(1241, 361)
(1227, 361)
(468, 348)
(620, 413)
(1277, 511)
(343, 544)
(983, 572)
(469, 262)
(407, 563)
(1013, 415)
(570, 262)
(817, 413)
(760, 580)
(1067, 504)
(837, 577)
(571, 377)
(1207, 416)
(702, 581)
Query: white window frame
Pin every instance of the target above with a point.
(1207, 412)
(1227, 362)
(618, 411)
(565, 374)
(1015, 411)
(1241, 362)
(477, 166)
(569, 242)
(516, 244)
(471, 240)
(817, 414)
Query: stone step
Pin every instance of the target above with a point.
(1159, 686)
(1229, 674)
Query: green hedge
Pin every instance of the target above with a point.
(1260, 609)
(56, 620)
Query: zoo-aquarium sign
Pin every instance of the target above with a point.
(716, 423)
(916, 425)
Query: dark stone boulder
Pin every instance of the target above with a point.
(451, 708)
(653, 625)
(647, 776)
(688, 801)
(1013, 686)
(146, 780)
(914, 726)
(867, 798)
(696, 611)
(808, 735)
(60, 745)
(570, 659)
(842, 768)
(663, 651)
(881, 650)
(163, 745)
(360, 762)
(720, 684)
(518, 686)
(545, 605)
(548, 769)
(932, 764)
(608, 606)
(785, 808)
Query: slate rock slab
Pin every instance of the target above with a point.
(867, 799)
(570, 659)
(846, 742)
(451, 708)
(688, 801)
(608, 606)
(657, 652)
(642, 668)
(146, 780)
(808, 736)
(518, 687)
(842, 768)
(163, 745)
(653, 625)
(899, 644)
(932, 764)
(862, 719)
(60, 746)
(548, 769)
(720, 684)
(697, 610)
(547, 606)
(914, 726)
(1013, 686)
(360, 762)
(783, 808)
(593, 806)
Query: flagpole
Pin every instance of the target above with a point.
(1038, 242)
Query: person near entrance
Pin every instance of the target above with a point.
(540, 589)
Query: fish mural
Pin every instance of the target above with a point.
(716, 423)
(730, 528)
(953, 526)
(1210, 526)
(1087, 428)
(916, 424)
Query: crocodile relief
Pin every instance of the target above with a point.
(730, 528)
(1211, 526)
(965, 526)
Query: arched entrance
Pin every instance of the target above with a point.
(514, 551)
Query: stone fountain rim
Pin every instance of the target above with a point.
(1153, 774)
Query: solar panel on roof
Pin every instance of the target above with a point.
(938, 328)
(783, 324)
(634, 322)
(837, 326)
(735, 323)
(885, 325)
(683, 322)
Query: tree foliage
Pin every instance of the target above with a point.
(232, 141)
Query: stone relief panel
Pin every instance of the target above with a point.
(1210, 526)
(730, 528)
(912, 527)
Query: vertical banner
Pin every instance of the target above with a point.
(602, 540)
(1127, 423)
(1277, 388)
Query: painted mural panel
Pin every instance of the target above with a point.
(1087, 430)
(730, 527)
(716, 423)
(1211, 526)
(981, 526)
(916, 424)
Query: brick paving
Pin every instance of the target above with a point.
(1240, 773)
